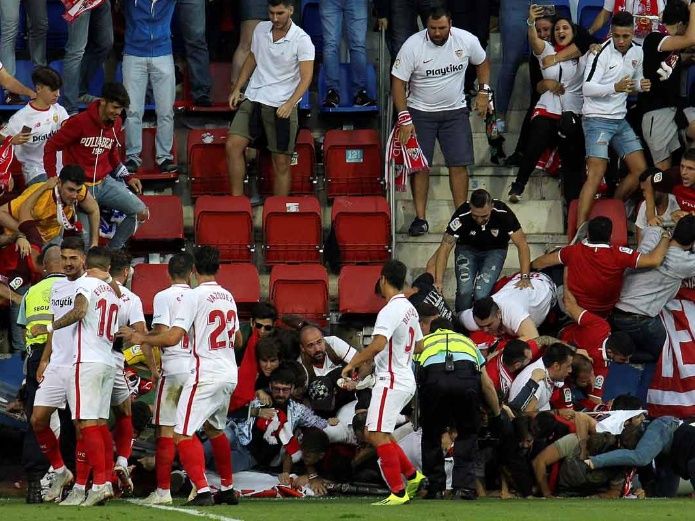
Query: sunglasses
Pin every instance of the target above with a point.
(265, 327)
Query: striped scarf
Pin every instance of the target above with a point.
(407, 159)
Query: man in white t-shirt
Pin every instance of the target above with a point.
(208, 315)
(533, 387)
(280, 67)
(95, 316)
(176, 366)
(33, 124)
(427, 83)
(512, 311)
(396, 338)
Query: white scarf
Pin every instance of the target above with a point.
(63, 219)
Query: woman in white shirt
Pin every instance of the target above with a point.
(558, 109)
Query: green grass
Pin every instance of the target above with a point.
(359, 509)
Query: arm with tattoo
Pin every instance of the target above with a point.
(77, 313)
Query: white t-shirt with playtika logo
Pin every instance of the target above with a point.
(436, 73)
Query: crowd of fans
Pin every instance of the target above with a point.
(509, 382)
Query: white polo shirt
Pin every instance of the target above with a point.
(600, 76)
(277, 63)
(436, 74)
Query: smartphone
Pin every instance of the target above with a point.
(25, 130)
(547, 10)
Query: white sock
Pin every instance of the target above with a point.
(162, 492)
(79, 487)
(60, 470)
(224, 488)
(204, 489)
(96, 488)
(122, 462)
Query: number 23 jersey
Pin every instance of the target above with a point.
(209, 314)
(398, 322)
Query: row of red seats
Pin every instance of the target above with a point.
(287, 281)
(292, 230)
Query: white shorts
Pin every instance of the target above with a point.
(121, 388)
(53, 389)
(660, 132)
(89, 394)
(385, 407)
(202, 402)
(169, 390)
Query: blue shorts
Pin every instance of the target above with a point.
(600, 132)
(452, 128)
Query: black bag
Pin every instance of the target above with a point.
(570, 125)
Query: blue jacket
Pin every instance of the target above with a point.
(148, 27)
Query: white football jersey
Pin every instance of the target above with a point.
(175, 359)
(63, 340)
(398, 321)
(43, 124)
(130, 313)
(209, 314)
(97, 330)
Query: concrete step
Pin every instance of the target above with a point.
(495, 180)
(481, 149)
(535, 216)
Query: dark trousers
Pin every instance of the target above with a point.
(34, 462)
(474, 17)
(449, 399)
(647, 333)
(543, 134)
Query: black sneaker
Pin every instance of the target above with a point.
(132, 166)
(418, 227)
(168, 167)
(465, 494)
(514, 194)
(201, 499)
(227, 497)
(203, 101)
(433, 494)
(332, 99)
(34, 495)
(362, 100)
(514, 159)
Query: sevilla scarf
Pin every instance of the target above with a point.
(6, 157)
(248, 371)
(65, 222)
(407, 158)
(279, 430)
(76, 8)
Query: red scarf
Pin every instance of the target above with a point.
(407, 158)
(76, 8)
(245, 390)
(649, 7)
(6, 157)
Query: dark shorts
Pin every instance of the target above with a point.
(259, 124)
(451, 128)
(253, 10)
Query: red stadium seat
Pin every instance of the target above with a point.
(353, 162)
(149, 171)
(302, 167)
(614, 209)
(164, 228)
(226, 223)
(207, 161)
(292, 229)
(242, 281)
(220, 72)
(362, 227)
(300, 290)
(356, 290)
(148, 280)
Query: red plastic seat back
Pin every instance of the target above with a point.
(148, 280)
(353, 162)
(292, 229)
(207, 162)
(166, 219)
(300, 290)
(362, 227)
(302, 167)
(611, 208)
(356, 290)
(226, 223)
(242, 281)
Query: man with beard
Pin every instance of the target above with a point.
(431, 68)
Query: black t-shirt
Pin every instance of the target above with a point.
(428, 294)
(665, 93)
(494, 235)
(683, 450)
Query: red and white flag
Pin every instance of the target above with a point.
(75, 8)
(6, 157)
(672, 390)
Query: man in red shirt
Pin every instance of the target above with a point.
(504, 366)
(592, 334)
(92, 139)
(595, 267)
(679, 181)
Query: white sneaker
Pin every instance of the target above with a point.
(97, 497)
(60, 481)
(123, 474)
(75, 498)
(157, 498)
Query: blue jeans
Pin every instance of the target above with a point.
(655, 440)
(513, 31)
(601, 132)
(192, 19)
(82, 61)
(355, 14)
(9, 27)
(137, 73)
(17, 332)
(241, 456)
(476, 274)
(114, 194)
(647, 333)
